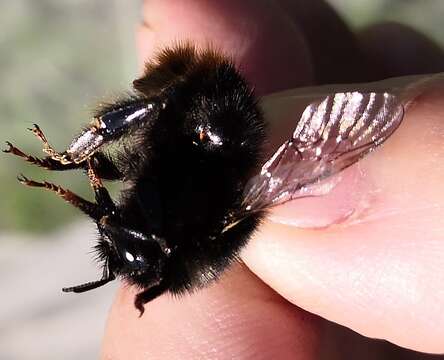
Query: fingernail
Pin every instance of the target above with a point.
(347, 195)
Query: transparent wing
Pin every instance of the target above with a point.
(331, 135)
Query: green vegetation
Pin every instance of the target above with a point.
(58, 58)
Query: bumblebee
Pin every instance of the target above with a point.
(189, 146)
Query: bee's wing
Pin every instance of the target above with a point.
(331, 135)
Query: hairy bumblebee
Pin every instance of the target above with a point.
(189, 147)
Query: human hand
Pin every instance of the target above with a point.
(380, 274)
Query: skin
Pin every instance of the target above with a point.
(379, 272)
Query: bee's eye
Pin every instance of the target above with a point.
(134, 259)
(129, 256)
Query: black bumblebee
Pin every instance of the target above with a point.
(189, 146)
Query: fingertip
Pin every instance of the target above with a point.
(377, 272)
(238, 317)
(264, 42)
(145, 42)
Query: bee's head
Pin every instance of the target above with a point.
(131, 254)
(139, 258)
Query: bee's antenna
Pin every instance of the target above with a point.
(89, 285)
(107, 276)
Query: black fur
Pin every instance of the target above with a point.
(185, 189)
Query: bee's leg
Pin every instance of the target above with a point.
(47, 148)
(47, 162)
(86, 206)
(103, 198)
(111, 126)
(148, 295)
(103, 130)
(103, 165)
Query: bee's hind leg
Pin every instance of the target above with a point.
(103, 165)
(46, 162)
(47, 148)
(54, 160)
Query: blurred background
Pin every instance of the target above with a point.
(59, 58)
